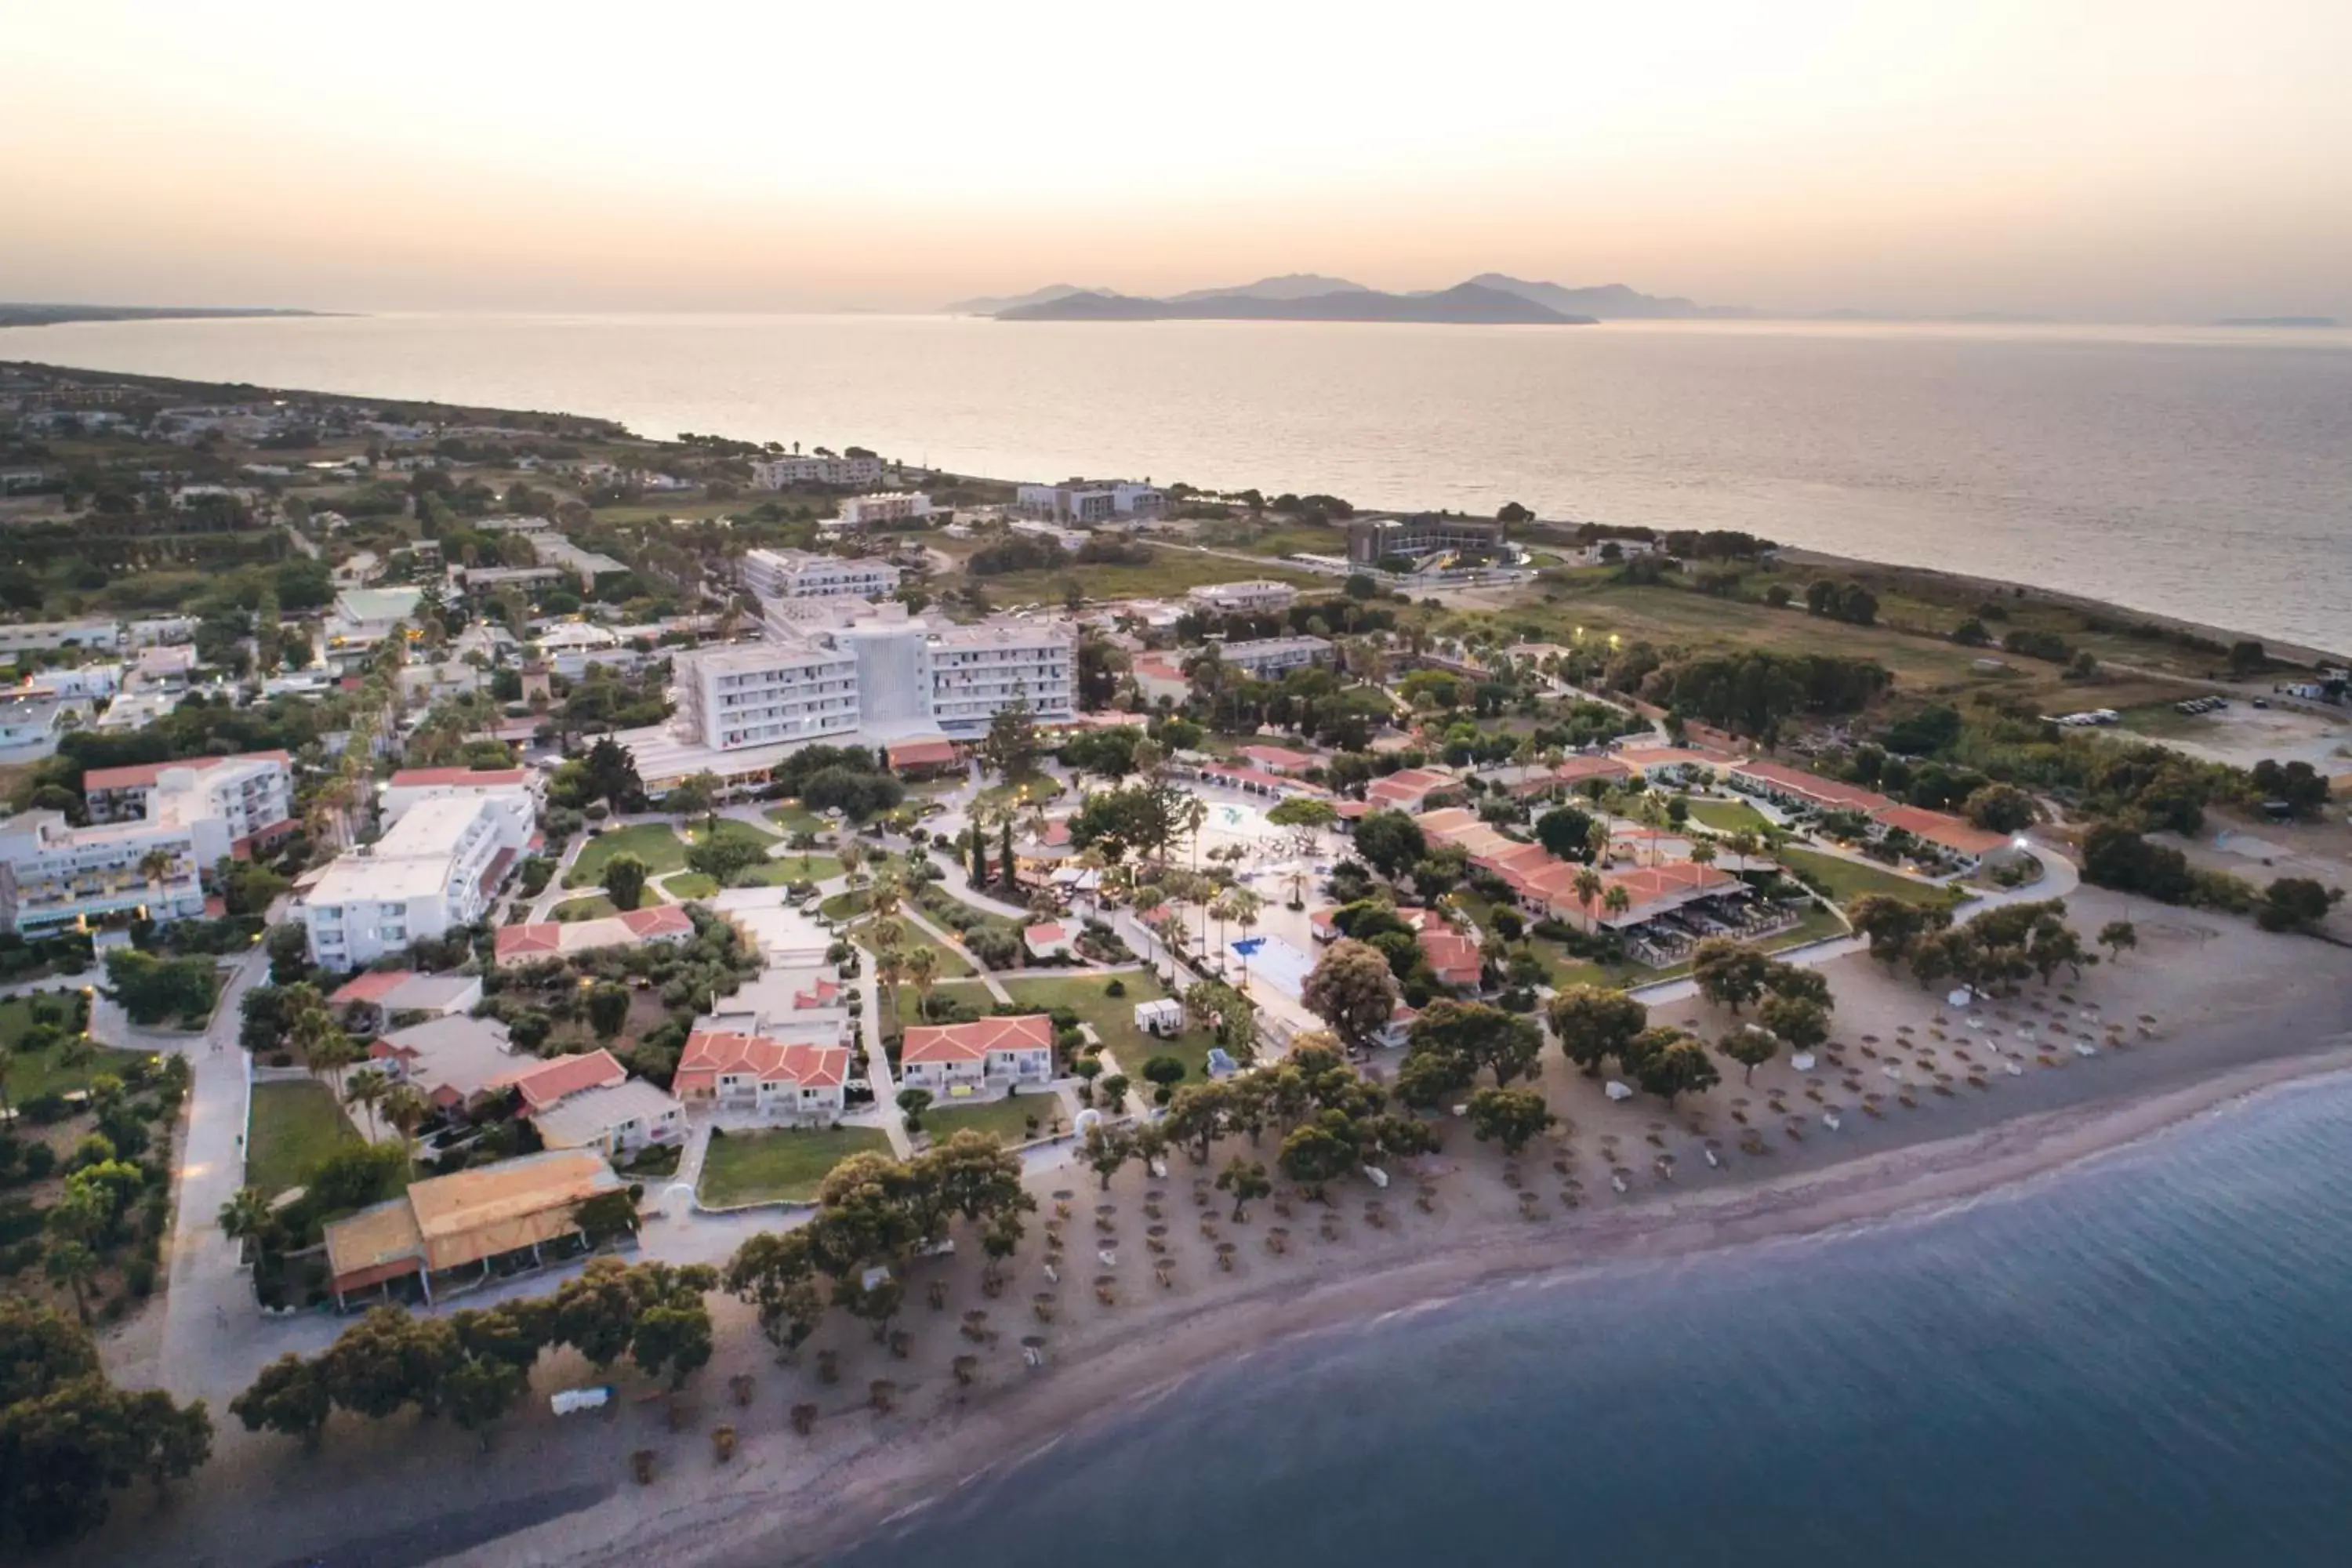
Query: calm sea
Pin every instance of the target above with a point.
(2143, 1362)
(2201, 473)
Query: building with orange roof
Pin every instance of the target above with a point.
(948, 1057)
(454, 1229)
(1453, 957)
(1411, 790)
(547, 1083)
(1799, 790)
(1956, 835)
(1278, 758)
(783, 1081)
(562, 938)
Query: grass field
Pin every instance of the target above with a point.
(1113, 1018)
(1728, 815)
(596, 906)
(971, 993)
(36, 1073)
(1006, 1120)
(729, 829)
(793, 818)
(1172, 571)
(1847, 880)
(794, 868)
(651, 842)
(766, 1167)
(953, 963)
(688, 885)
(295, 1124)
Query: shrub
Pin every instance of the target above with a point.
(1115, 987)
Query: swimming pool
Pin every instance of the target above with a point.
(1273, 961)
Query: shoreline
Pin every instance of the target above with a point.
(866, 1488)
(2064, 598)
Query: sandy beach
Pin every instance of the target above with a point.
(2236, 1013)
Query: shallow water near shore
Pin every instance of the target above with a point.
(2142, 1360)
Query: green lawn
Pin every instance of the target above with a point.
(1113, 1018)
(764, 1167)
(1036, 788)
(1728, 815)
(730, 829)
(793, 817)
(1847, 880)
(36, 1074)
(596, 906)
(295, 1124)
(791, 866)
(651, 842)
(689, 884)
(971, 993)
(1006, 1120)
(953, 963)
(846, 906)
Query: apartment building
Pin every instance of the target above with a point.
(1090, 501)
(834, 670)
(775, 473)
(230, 806)
(440, 867)
(799, 575)
(55, 878)
(890, 506)
(1251, 598)
(515, 790)
(1270, 658)
(1373, 540)
(761, 694)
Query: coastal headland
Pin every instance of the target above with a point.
(1837, 832)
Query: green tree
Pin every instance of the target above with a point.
(290, 1396)
(1750, 1047)
(1512, 1117)
(775, 1274)
(608, 1009)
(2116, 936)
(1247, 1181)
(1593, 1022)
(1351, 989)
(479, 1393)
(1105, 1149)
(724, 856)
(673, 1339)
(2000, 808)
(1672, 1065)
(2295, 904)
(1390, 842)
(1728, 974)
(1315, 1155)
(913, 1103)
(623, 880)
(1800, 1022)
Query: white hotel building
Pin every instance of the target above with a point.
(775, 473)
(196, 813)
(1251, 598)
(440, 867)
(845, 673)
(891, 506)
(798, 575)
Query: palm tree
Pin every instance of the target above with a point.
(1743, 844)
(1245, 905)
(155, 868)
(923, 972)
(884, 896)
(852, 854)
(1596, 840)
(8, 1065)
(244, 1214)
(1587, 888)
(1703, 852)
(1221, 910)
(72, 1264)
(1617, 901)
(366, 1090)
(890, 968)
(406, 1107)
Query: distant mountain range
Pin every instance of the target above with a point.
(1464, 302)
(2277, 322)
(24, 315)
(1491, 297)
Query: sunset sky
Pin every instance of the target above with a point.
(2100, 159)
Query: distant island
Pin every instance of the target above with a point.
(1314, 297)
(2278, 322)
(1464, 302)
(19, 315)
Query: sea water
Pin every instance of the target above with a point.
(2144, 1361)
(2194, 472)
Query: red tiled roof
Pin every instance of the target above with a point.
(560, 1078)
(1045, 934)
(657, 919)
(1575, 769)
(1349, 810)
(1812, 786)
(715, 1051)
(142, 776)
(409, 778)
(373, 986)
(971, 1042)
(1407, 784)
(1446, 819)
(1648, 884)
(922, 753)
(1454, 957)
(1666, 756)
(1940, 827)
(1277, 757)
(544, 939)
